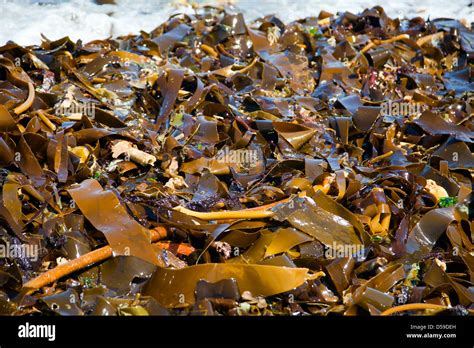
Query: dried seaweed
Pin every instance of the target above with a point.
(215, 166)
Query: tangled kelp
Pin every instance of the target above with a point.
(323, 166)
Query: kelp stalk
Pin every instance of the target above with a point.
(251, 213)
(28, 102)
(228, 214)
(412, 307)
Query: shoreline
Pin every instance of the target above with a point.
(89, 21)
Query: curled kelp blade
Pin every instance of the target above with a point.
(427, 231)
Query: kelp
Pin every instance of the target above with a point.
(104, 211)
(175, 287)
(215, 166)
(328, 228)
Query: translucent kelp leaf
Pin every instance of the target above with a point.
(328, 228)
(176, 287)
(103, 209)
(6, 120)
(285, 239)
(427, 231)
(118, 273)
(295, 134)
(435, 276)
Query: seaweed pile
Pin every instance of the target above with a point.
(217, 167)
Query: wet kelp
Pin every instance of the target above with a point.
(218, 167)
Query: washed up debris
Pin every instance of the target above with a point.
(220, 167)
